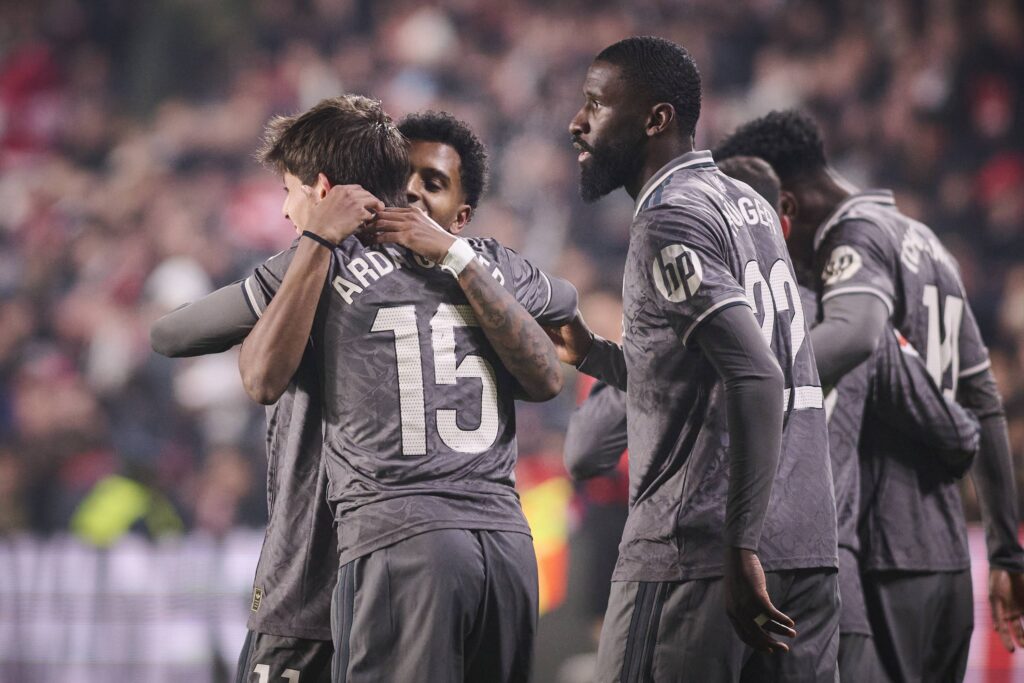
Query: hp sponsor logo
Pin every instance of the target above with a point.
(677, 273)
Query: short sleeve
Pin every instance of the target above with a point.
(856, 259)
(685, 263)
(973, 355)
(259, 288)
(550, 300)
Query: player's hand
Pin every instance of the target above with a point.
(342, 211)
(413, 229)
(747, 603)
(572, 341)
(1006, 597)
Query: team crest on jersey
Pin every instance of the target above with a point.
(677, 273)
(257, 598)
(842, 264)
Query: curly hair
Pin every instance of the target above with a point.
(661, 71)
(442, 127)
(788, 140)
(350, 139)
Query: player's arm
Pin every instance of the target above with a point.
(855, 266)
(272, 351)
(754, 384)
(212, 324)
(994, 479)
(596, 436)
(904, 396)
(521, 344)
(579, 347)
(848, 333)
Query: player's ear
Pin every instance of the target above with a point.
(660, 118)
(788, 206)
(464, 215)
(322, 187)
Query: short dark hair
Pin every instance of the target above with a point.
(788, 140)
(662, 71)
(350, 139)
(754, 172)
(440, 126)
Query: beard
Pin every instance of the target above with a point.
(610, 166)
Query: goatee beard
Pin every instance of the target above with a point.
(610, 166)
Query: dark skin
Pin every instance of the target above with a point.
(612, 110)
(272, 351)
(435, 184)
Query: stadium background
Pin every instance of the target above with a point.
(132, 487)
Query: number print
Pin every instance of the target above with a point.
(401, 321)
(769, 299)
(442, 326)
(263, 671)
(943, 352)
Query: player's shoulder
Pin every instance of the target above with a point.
(867, 217)
(486, 245)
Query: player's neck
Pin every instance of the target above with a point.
(658, 156)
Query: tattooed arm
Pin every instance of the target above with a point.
(521, 344)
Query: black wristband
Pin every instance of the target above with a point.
(317, 238)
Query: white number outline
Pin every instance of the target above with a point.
(401, 321)
(943, 353)
(773, 297)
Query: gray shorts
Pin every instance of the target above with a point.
(679, 631)
(444, 606)
(922, 623)
(267, 658)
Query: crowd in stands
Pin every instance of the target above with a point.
(128, 187)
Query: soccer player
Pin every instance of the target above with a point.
(731, 492)
(872, 265)
(598, 428)
(290, 622)
(422, 346)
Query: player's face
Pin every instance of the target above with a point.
(435, 184)
(608, 131)
(297, 202)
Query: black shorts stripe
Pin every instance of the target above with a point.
(344, 604)
(638, 659)
(243, 659)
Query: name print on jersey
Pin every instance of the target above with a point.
(374, 265)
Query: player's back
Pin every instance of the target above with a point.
(700, 242)
(420, 410)
(913, 516)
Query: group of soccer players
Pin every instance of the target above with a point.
(773, 317)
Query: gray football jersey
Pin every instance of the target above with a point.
(912, 513)
(297, 568)
(418, 409)
(844, 412)
(701, 241)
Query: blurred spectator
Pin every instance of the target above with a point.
(126, 135)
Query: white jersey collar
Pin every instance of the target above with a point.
(688, 160)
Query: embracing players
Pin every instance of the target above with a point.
(297, 571)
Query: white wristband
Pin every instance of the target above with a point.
(459, 255)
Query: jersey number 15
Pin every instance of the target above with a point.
(401, 320)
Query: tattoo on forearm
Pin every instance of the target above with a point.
(519, 341)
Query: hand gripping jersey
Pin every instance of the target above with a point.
(702, 241)
(419, 412)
